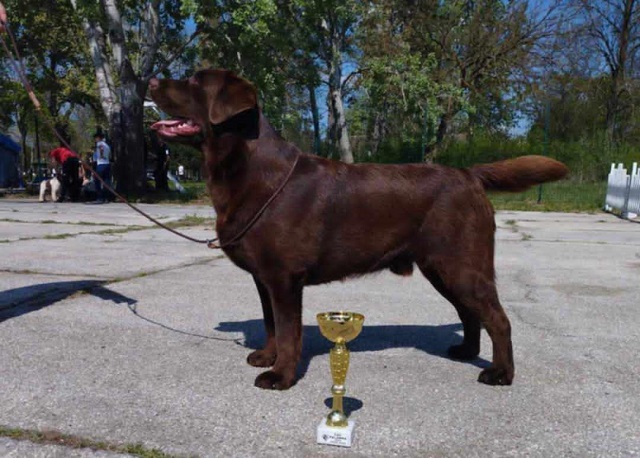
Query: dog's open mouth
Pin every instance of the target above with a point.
(172, 128)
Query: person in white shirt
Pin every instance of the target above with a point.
(102, 159)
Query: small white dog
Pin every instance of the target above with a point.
(52, 185)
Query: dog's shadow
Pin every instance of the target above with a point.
(434, 340)
(27, 299)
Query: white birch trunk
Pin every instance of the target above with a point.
(341, 130)
(104, 78)
(116, 32)
(336, 107)
(150, 38)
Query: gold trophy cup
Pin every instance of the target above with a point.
(339, 328)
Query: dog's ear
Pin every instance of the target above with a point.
(232, 95)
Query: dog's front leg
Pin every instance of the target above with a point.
(267, 356)
(43, 190)
(286, 302)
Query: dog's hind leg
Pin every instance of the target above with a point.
(455, 251)
(286, 302)
(267, 355)
(495, 321)
(474, 295)
(470, 346)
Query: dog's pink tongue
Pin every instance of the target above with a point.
(165, 124)
(173, 128)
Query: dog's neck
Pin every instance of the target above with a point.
(249, 132)
(243, 171)
(245, 124)
(266, 129)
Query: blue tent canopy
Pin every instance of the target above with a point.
(9, 161)
(8, 144)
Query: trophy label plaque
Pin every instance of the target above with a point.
(331, 435)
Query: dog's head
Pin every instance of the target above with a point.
(209, 103)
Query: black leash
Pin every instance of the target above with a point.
(16, 62)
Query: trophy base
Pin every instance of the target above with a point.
(331, 435)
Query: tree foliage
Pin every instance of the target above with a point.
(376, 80)
(50, 44)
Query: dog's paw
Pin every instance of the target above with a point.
(463, 352)
(496, 376)
(261, 358)
(271, 380)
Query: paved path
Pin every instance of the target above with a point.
(140, 337)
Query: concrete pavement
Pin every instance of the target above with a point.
(137, 336)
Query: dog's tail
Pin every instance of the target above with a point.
(515, 175)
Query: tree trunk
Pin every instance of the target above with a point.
(159, 151)
(116, 32)
(618, 77)
(377, 136)
(431, 151)
(23, 129)
(130, 165)
(150, 38)
(341, 130)
(336, 107)
(331, 129)
(612, 109)
(316, 120)
(161, 170)
(97, 48)
(124, 107)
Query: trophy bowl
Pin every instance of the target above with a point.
(340, 327)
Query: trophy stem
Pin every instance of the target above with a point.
(339, 362)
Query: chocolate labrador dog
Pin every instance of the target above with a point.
(293, 219)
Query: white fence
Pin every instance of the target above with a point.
(623, 191)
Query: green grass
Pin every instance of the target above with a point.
(564, 196)
(50, 221)
(53, 437)
(45, 221)
(123, 230)
(196, 193)
(89, 223)
(196, 187)
(58, 236)
(191, 220)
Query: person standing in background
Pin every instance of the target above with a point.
(101, 157)
(70, 180)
